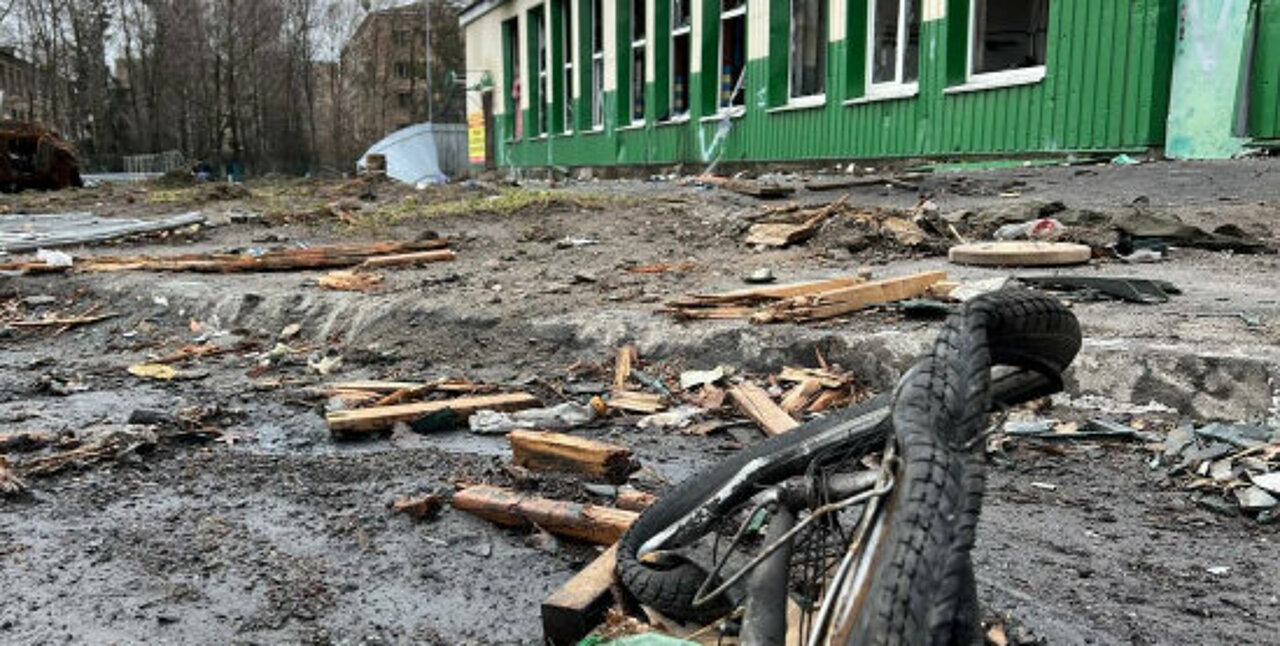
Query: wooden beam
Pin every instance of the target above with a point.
(574, 610)
(776, 292)
(376, 419)
(591, 523)
(59, 322)
(850, 299)
(755, 403)
(545, 451)
(414, 258)
(827, 378)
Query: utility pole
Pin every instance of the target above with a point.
(427, 58)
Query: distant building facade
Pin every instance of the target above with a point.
(17, 84)
(384, 72)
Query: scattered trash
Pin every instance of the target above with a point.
(1142, 227)
(1131, 290)
(1042, 229)
(679, 417)
(54, 258)
(691, 379)
(1124, 159)
(762, 276)
(562, 416)
(324, 365)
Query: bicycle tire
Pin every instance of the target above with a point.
(919, 587)
(1041, 348)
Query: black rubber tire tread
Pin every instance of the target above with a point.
(1044, 344)
(921, 574)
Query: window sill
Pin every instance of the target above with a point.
(598, 130)
(801, 103)
(996, 80)
(886, 93)
(736, 112)
(675, 121)
(630, 127)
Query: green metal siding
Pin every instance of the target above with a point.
(1264, 100)
(1106, 88)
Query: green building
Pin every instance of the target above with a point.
(639, 82)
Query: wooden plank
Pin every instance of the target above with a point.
(635, 401)
(717, 312)
(386, 387)
(319, 257)
(627, 355)
(376, 419)
(59, 322)
(574, 610)
(850, 299)
(415, 258)
(800, 395)
(546, 451)
(755, 403)
(591, 523)
(1019, 253)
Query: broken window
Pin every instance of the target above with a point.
(894, 43)
(597, 64)
(733, 51)
(566, 87)
(543, 97)
(1007, 35)
(808, 47)
(638, 42)
(681, 39)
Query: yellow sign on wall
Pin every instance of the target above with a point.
(475, 137)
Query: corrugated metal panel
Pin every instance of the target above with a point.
(1264, 101)
(1105, 88)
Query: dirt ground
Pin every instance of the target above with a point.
(280, 533)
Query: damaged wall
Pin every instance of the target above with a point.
(1105, 87)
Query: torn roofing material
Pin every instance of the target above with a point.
(19, 233)
(411, 153)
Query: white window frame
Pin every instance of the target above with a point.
(637, 44)
(988, 80)
(597, 66)
(687, 32)
(566, 32)
(897, 88)
(806, 100)
(726, 16)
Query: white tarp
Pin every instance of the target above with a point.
(411, 155)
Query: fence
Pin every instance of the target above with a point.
(451, 147)
(154, 163)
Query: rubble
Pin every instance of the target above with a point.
(34, 157)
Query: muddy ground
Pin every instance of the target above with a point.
(279, 533)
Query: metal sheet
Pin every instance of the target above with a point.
(29, 232)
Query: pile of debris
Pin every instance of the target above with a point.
(855, 229)
(34, 157)
(1233, 466)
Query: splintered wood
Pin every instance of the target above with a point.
(806, 301)
(755, 403)
(591, 523)
(380, 418)
(781, 234)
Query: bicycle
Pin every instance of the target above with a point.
(869, 547)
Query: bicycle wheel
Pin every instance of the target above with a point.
(1034, 334)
